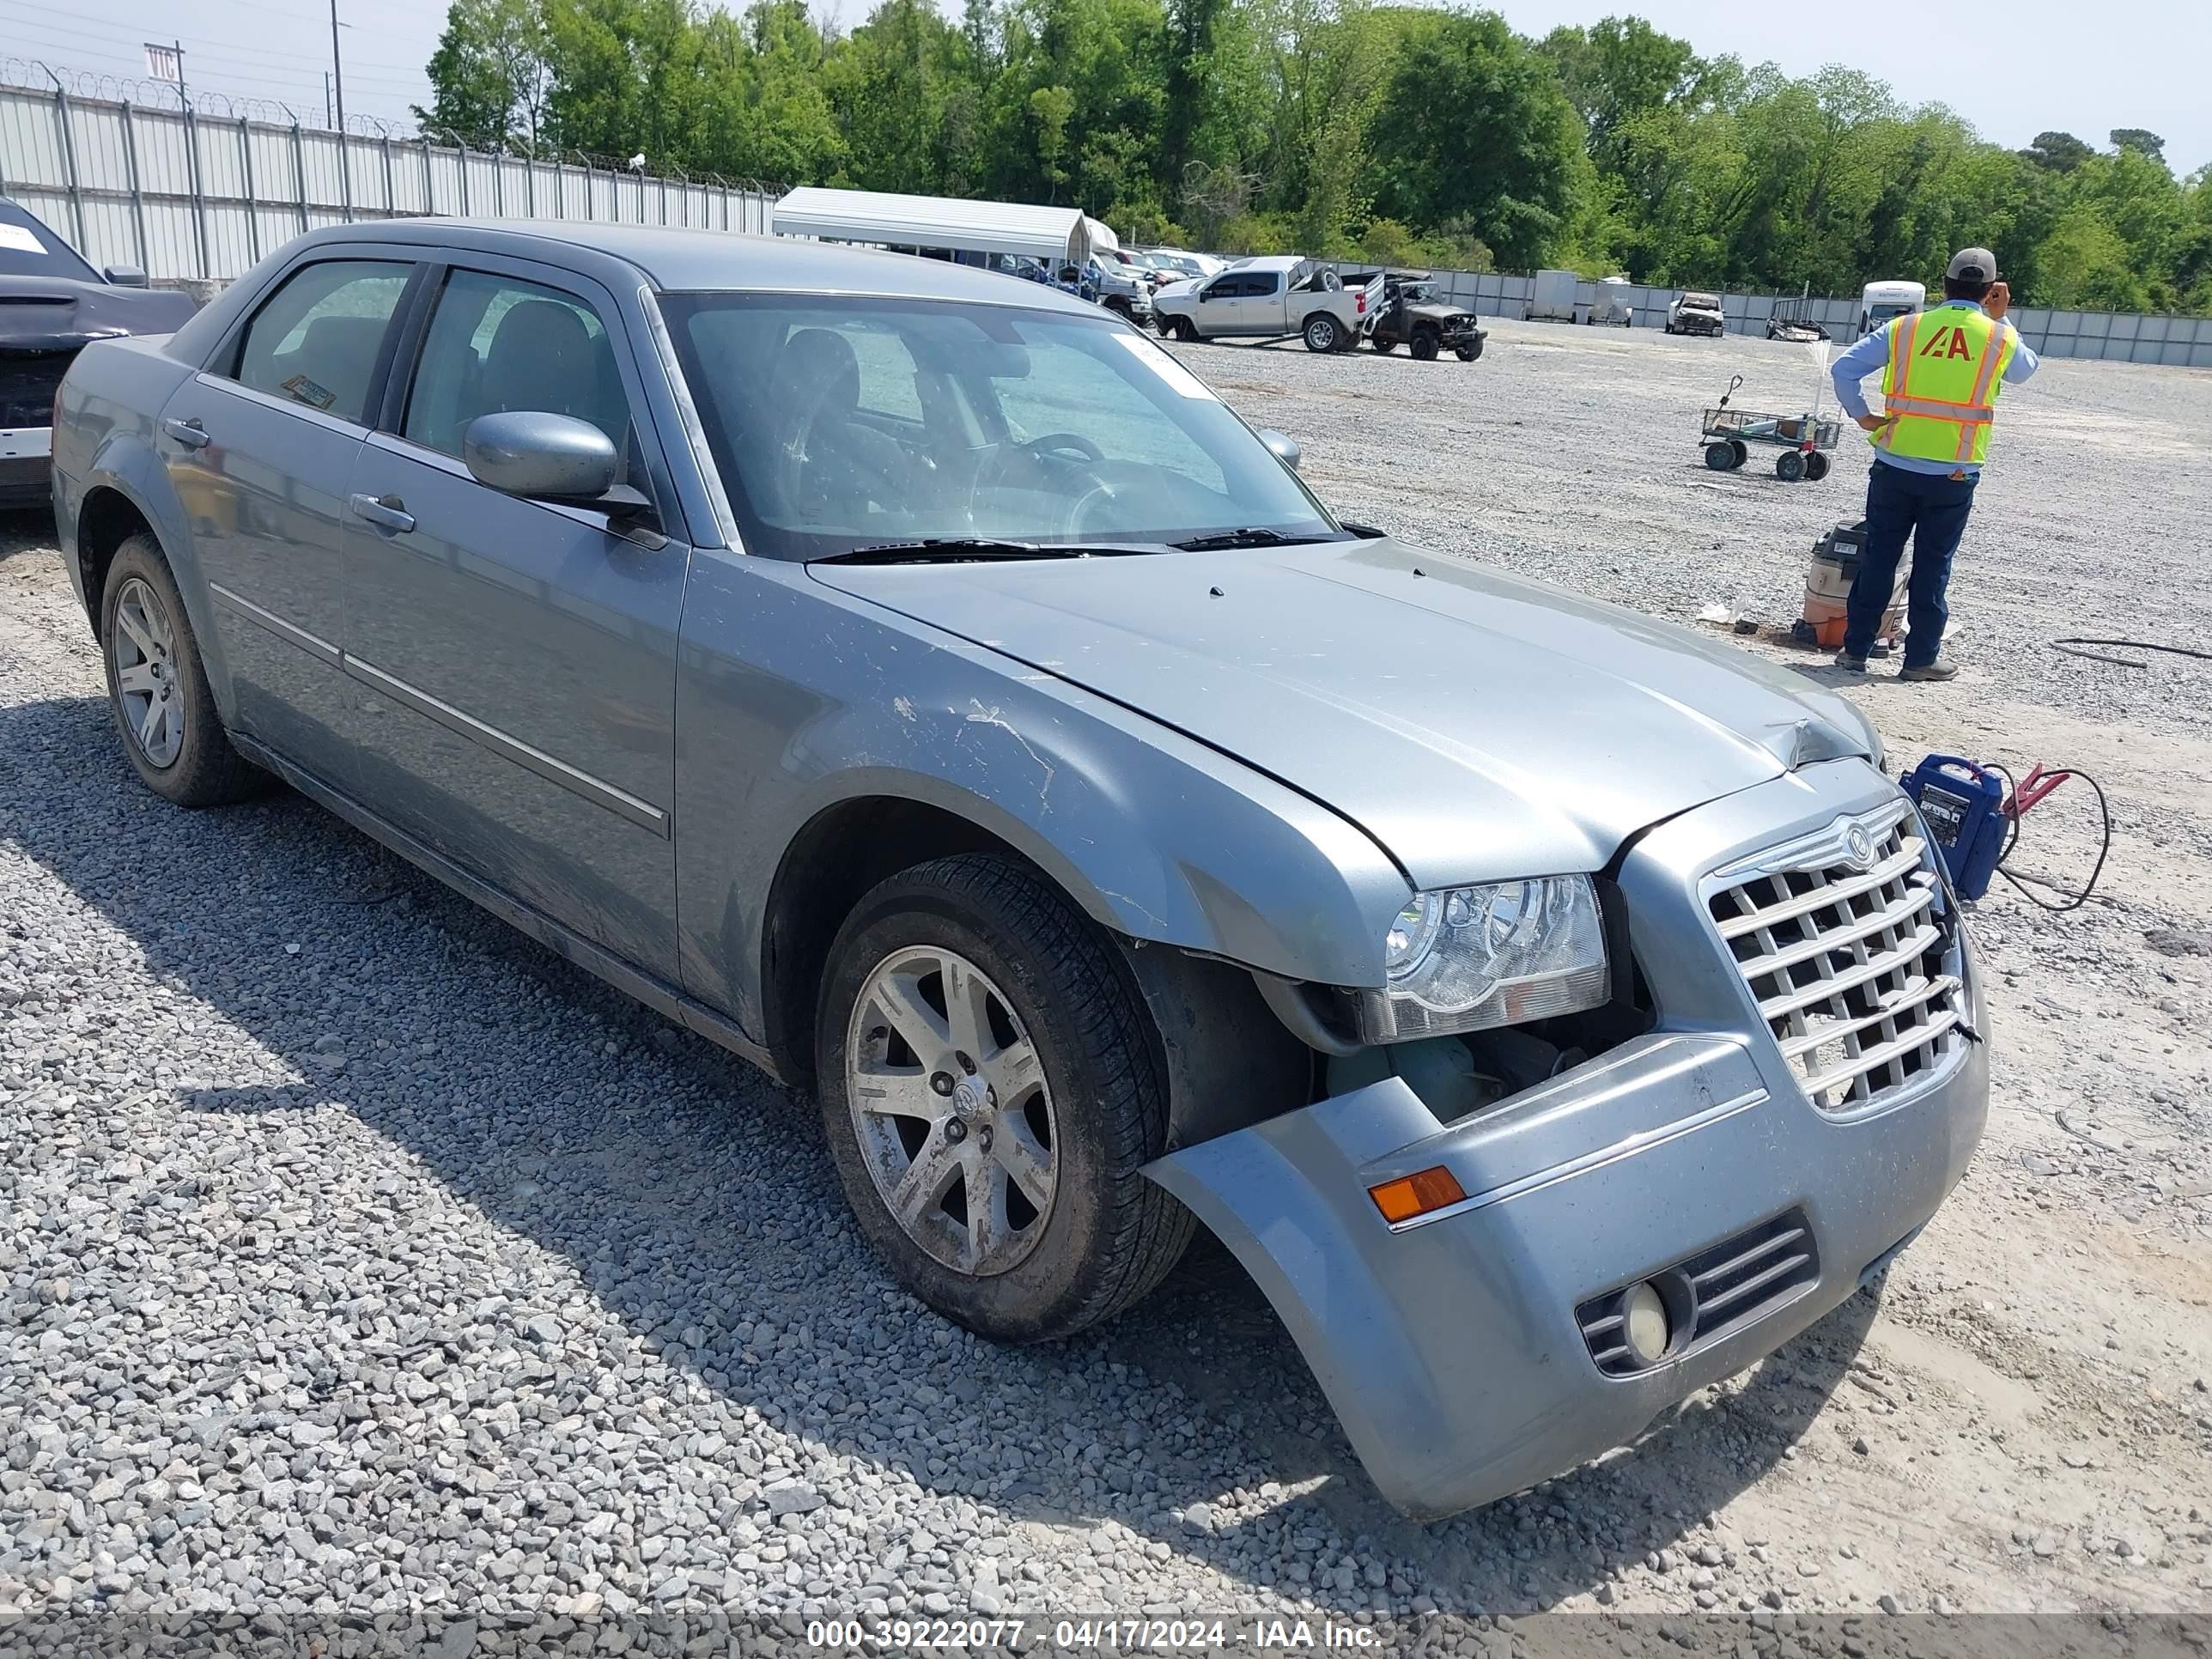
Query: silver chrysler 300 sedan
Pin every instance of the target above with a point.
(922, 685)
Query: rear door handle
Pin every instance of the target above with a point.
(386, 512)
(187, 433)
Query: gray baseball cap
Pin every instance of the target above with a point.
(1973, 265)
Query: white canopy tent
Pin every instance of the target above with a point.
(1056, 234)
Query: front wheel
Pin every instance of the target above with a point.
(1426, 344)
(1789, 466)
(157, 688)
(1816, 466)
(991, 1094)
(1470, 351)
(1186, 331)
(1386, 347)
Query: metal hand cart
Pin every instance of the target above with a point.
(1803, 440)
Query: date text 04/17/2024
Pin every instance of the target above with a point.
(1079, 1635)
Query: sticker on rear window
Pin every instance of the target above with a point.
(312, 393)
(1164, 366)
(19, 237)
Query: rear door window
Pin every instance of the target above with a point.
(315, 342)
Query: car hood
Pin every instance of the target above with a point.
(54, 313)
(1478, 725)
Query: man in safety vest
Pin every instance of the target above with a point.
(1941, 369)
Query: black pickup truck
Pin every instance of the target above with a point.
(53, 304)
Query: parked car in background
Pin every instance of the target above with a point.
(53, 304)
(1413, 315)
(1695, 312)
(1276, 296)
(1615, 302)
(928, 689)
(1174, 263)
(1883, 303)
(1121, 286)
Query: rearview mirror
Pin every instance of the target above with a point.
(555, 457)
(1283, 447)
(124, 275)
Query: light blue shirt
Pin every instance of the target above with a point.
(1870, 355)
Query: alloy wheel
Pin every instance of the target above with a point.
(144, 650)
(951, 1109)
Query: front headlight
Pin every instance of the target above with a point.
(1502, 954)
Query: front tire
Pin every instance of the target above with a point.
(1322, 332)
(1469, 352)
(991, 1091)
(1426, 345)
(157, 688)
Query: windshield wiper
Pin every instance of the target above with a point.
(1251, 536)
(947, 549)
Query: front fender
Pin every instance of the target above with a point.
(795, 699)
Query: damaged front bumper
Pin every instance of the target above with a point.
(1454, 1347)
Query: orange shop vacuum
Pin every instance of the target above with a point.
(1828, 587)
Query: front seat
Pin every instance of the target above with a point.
(829, 464)
(543, 358)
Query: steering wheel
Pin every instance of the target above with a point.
(1066, 442)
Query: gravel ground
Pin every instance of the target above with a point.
(359, 1257)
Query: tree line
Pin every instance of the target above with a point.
(1345, 129)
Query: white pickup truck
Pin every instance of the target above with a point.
(1272, 297)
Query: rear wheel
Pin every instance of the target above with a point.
(990, 1091)
(1426, 344)
(1721, 457)
(1322, 332)
(1816, 466)
(158, 690)
(1740, 450)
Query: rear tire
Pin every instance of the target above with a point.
(1721, 457)
(157, 687)
(1084, 1109)
(1816, 466)
(1322, 332)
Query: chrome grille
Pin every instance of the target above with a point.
(1712, 1294)
(1848, 943)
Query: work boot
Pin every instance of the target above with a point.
(1942, 669)
(1855, 665)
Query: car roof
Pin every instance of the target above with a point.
(684, 261)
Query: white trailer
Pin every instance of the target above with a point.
(1553, 297)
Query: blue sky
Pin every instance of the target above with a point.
(2012, 69)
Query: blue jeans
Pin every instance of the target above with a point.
(1932, 510)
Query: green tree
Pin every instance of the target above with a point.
(1474, 124)
(489, 77)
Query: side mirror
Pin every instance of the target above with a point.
(124, 275)
(551, 458)
(1283, 447)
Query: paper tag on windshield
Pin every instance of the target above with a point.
(19, 237)
(1164, 366)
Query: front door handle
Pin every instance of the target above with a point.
(384, 512)
(190, 433)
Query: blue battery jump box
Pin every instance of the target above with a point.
(1963, 804)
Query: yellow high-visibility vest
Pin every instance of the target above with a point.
(1940, 388)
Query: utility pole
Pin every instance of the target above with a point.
(183, 102)
(327, 121)
(337, 65)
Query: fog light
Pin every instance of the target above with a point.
(1644, 1323)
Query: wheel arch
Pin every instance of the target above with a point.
(106, 519)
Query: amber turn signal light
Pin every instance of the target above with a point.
(1416, 1194)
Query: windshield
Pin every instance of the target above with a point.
(850, 423)
(27, 248)
(1702, 301)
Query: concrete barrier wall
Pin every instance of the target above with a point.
(2124, 336)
